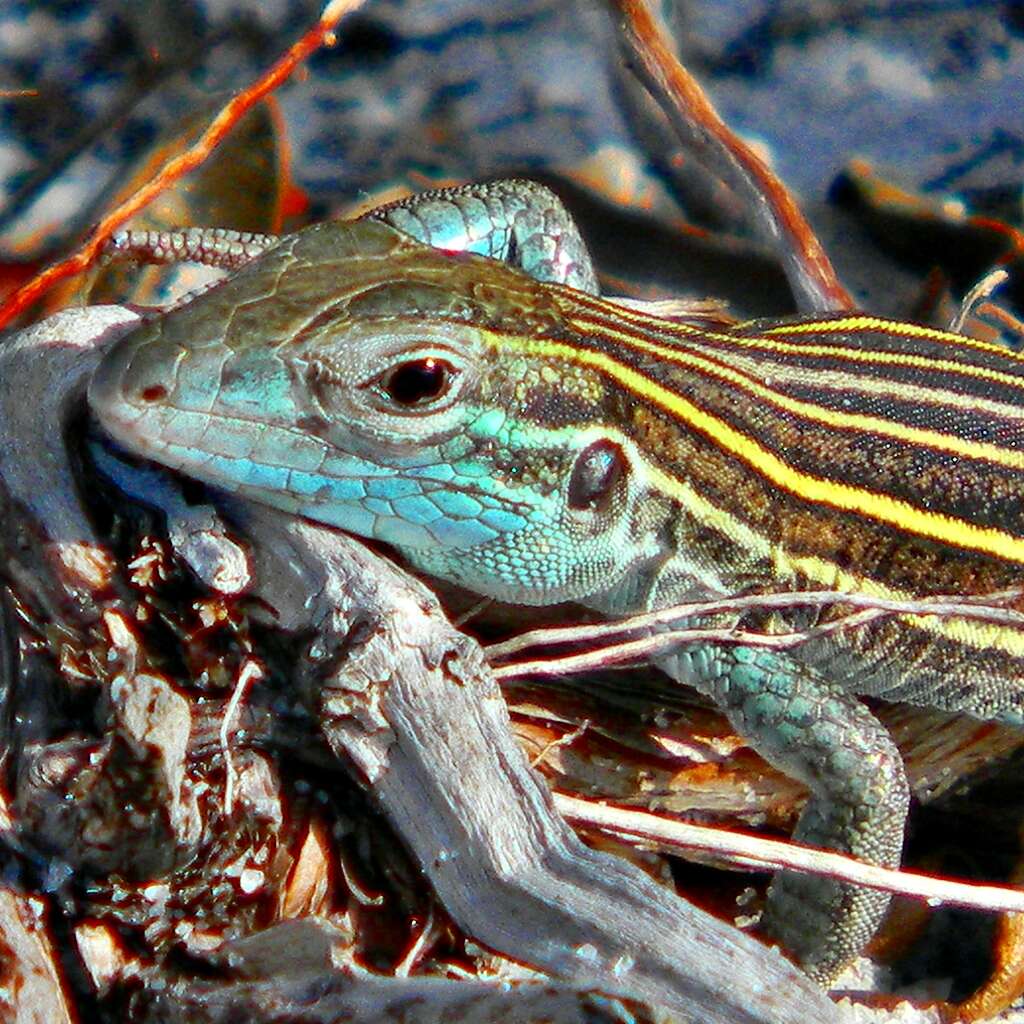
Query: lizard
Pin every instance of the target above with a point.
(443, 376)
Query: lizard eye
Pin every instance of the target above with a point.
(418, 382)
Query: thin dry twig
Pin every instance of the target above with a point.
(982, 290)
(756, 851)
(696, 122)
(321, 34)
(562, 741)
(987, 608)
(248, 674)
(1003, 318)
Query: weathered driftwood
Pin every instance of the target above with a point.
(286, 973)
(410, 701)
(397, 693)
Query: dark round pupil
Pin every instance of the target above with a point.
(418, 381)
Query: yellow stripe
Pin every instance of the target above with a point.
(763, 341)
(881, 507)
(828, 575)
(875, 357)
(972, 450)
(575, 300)
(896, 327)
(837, 379)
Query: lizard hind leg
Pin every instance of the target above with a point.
(816, 732)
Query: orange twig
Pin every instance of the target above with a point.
(701, 130)
(321, 34)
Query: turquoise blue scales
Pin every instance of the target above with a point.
(433, 500)
(518, 222)
(537, 443)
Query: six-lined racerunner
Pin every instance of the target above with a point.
(506, 428)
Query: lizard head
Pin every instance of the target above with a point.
(426, 399)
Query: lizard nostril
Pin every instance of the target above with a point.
(154, 393)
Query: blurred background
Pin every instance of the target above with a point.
(926, 96)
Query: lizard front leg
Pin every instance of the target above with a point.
(519, 222)
(818, 733)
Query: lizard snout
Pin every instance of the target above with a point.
(124, 390)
